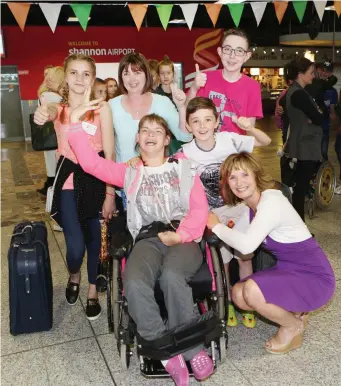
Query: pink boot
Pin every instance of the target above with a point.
(177, 368)
(202, 366)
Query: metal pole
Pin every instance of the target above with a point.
(333, 59)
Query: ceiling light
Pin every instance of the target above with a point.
(255, 49)
(337, 51)
(264, 52)
(273, 50)
(177, 21)
(73, 19)
(296, 52)
(317, 52)
(281, 50)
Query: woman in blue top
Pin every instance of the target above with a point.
(135, 82)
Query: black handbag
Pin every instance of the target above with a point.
(43, 137)
(156, 227)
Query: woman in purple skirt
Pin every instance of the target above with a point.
(302, 280)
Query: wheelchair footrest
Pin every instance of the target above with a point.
(204, 329)
(153, 368)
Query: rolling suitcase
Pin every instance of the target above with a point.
(30, 279)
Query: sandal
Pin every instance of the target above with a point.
(249, 319)
(232, 320)
(283, 348)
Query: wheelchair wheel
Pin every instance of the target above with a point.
(110, 311)
(125, 355)
(325, 185)
(220, 283)
(115, 296)
(223, 349)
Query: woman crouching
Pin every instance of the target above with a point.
(302, 280)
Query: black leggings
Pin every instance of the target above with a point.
(304, 173)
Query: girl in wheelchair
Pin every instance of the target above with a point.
(302, 280)
(166, 212)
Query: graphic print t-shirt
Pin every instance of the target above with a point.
(162, 181)
(208, 162)
(239, 99)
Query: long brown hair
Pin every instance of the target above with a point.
(89, 116)
(242, 161)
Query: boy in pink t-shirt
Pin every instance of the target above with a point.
(234, 94)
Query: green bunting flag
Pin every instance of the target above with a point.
(82, 11)
(300, 7)
(164, 12)
(236, 11)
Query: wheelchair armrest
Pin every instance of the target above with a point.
(211, 239)
(121, 244)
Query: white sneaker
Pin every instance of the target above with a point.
(337, 189)
(57, 228)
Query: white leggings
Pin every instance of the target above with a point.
(50, 163)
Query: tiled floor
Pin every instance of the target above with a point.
(77, 352)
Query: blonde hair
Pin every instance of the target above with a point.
(56, 74)
(242, 161)
(65, 97)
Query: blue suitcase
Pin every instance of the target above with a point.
(30, 279)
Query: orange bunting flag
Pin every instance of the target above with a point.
(213, 11)
(138, 12)
(337, 6)
(280, 8)
(20, 12)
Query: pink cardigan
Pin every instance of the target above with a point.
(192, 225)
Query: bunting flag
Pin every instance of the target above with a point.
(138, 12)
(300, 7)
(164, 12)
(82, 12)
(51, 13)
(236, 11)
(280, 8)
(320, 5)
(213, 11)
(20, 12)
(258, 9)
(189, 11)
(337, 6)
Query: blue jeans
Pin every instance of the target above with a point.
(337, 148)
(74, 237)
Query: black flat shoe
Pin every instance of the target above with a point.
(72, 292)
(93, 309)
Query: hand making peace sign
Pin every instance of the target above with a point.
(85, 106)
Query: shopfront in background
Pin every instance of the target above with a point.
(267, 67)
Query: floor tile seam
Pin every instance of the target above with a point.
(105, 361)
(48, 345)
(238, 371)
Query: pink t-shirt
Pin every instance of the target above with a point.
(241, 99)
(62, 131)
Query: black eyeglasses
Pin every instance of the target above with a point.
(227, 50)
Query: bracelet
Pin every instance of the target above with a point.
(110, 194)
